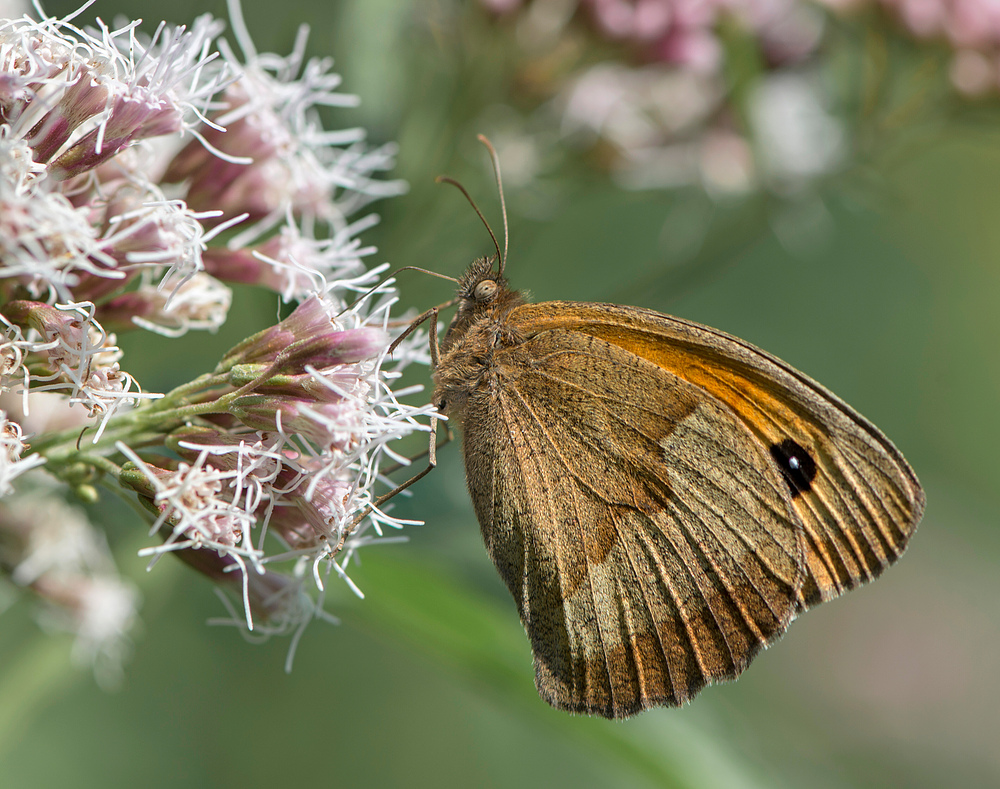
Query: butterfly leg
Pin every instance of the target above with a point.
(431, 463)
(430, 453)
(448, 436)
(432, 445)
(430, 315)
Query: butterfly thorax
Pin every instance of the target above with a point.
(479, 330)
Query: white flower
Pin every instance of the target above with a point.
(70, 207)
(197, 302)
(66, 562)
(83, 359)
(12, 445)
(797, 136)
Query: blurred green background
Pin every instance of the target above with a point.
(891, 300)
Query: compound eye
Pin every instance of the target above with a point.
(485, 290)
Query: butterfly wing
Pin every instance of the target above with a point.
(647, 536)
(854, 493)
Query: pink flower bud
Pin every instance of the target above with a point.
(307, 337)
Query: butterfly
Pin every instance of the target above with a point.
(660, 498)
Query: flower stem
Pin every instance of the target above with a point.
(142, 426)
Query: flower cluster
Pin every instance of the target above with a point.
(125, 160)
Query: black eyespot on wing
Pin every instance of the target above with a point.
(796, 465)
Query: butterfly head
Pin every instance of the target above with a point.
(482, 291)
(481, 284)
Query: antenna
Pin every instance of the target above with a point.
(369, 292)
(426, 271)
(445, 179)
(503, 203)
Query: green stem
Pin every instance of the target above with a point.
(101, 463)
(185, 391)
(142, 426)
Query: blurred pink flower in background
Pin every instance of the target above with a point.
(648, 80)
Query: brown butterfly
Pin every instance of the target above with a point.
(661, 498)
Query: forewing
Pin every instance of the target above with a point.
(855, 494)
(644, 532)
